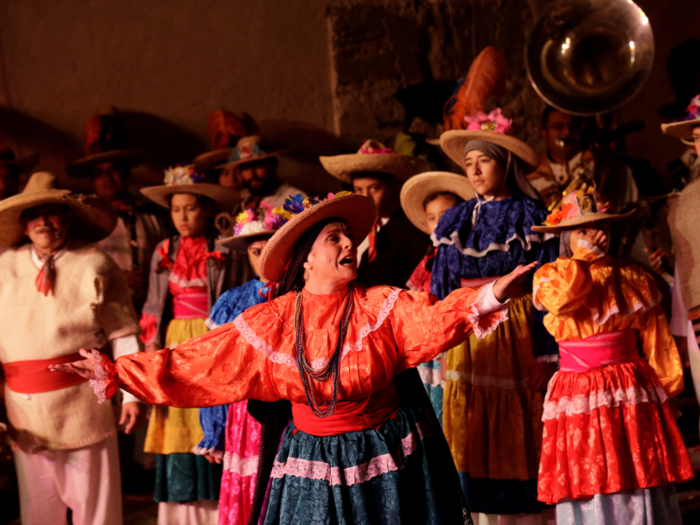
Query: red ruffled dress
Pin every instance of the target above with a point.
(608, 423)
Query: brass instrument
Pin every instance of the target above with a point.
(586, 57)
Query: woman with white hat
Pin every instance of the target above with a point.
(494, 386)
(353, 453)
(187, 276)
(611, 449)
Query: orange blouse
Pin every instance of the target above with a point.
(254, 356)
(588, 294)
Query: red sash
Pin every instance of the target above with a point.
(349, 416)
(34, 376)
(191, 306)
(597, 351)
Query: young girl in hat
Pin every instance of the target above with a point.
(424, 199)
(494, 386)
(187, 276)
(611, 449)
(231, 434)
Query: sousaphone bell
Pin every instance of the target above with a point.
(586, 57)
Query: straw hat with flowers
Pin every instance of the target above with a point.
(683, 128)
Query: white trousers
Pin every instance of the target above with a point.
(86, 480)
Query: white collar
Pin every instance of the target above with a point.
(38, 261)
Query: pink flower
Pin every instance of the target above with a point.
(494, 121)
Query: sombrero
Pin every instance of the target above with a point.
(184, 179)
(92, 218)
(129, 157)
(255, 225)
(492, 127)
(683, 128)
(373, 156)
(357, 211)
(417, 188)
(584, 206)
(251, 149)
(10, 160)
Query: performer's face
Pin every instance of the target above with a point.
(227, 178)
(562, 126)
(255, 176)
(332, 261)
(436, 208)
(588, 234)
(696, 140)
(484, 173)
(380, 190)
(189, 214)
(254, 252)
(46, 226)
(108, 180)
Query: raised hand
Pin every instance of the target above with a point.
(84, 368)
(504, 286)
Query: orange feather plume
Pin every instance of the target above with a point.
(225, 128)
(486, 77)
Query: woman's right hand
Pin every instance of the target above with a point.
(84, 368)
(505, 285)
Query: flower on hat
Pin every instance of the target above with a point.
(182, 175)
(264, 219)
(553, 218)
(494, 121)
(693, 109)
(374, 147)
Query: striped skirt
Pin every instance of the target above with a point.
(399, 472)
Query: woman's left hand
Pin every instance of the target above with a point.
(505, 286)
(84, 368)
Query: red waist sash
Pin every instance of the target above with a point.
(349, 416)
(597, 351)
(34, 376)
(191, 306)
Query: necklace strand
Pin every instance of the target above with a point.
(332, 368)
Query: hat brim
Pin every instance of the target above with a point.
(417, 188)
(589, 218)
(454, 141)
(23, 164)
(254, 159)
(92, 218)
(681, 130)
(83, 167)
(210, 159)
(357, 211)
(401, 166)
(224, 198)
(240, 243)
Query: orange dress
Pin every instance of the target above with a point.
(608, 425)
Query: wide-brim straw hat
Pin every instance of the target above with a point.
(225, 199)
(373, 156)
(211, 159)
(590, 218)
(91, 218)
(240, 243)
(130, 157)
(416, 189)
(357, 211)
(682, 130)
(252, 148)
(454, 141)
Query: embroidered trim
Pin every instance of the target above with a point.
(286, 359)
(260, 345)
(591, 248)
(184, 283)
(430, 376)
(490, 381)
(644, 307)
(101, 381)
(242, 466)
(319, 470)
(585, 404)
(494, 246)
(474, 314)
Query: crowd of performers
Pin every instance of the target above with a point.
(428, 347)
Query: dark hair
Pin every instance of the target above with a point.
(436, 194)
(545, 115)
(293, 278)
(386, 177)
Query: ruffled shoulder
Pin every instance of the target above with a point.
(627, 290)
(235, 301)
(498, 224)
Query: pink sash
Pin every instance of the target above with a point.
(191, 306)
(597, 351)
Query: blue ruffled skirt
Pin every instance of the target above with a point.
(398, 473)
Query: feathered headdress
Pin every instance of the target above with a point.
(225, 128)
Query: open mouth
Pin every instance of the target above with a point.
(347, 261)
